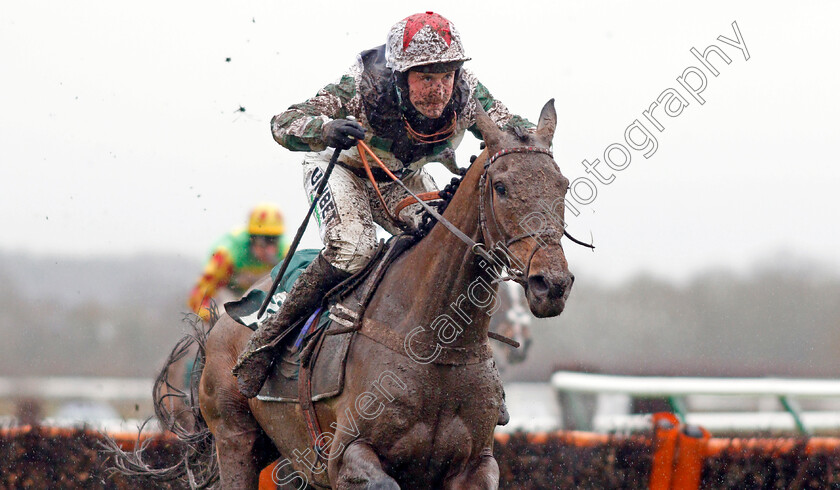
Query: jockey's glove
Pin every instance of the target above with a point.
(342, 133)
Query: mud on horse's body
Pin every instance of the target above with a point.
(437, 432)
(435, 427)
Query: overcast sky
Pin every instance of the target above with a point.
(120, 128)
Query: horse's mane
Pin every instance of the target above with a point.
(446, 194)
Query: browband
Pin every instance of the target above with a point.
(519, 149)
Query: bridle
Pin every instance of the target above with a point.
(493, 244)
(478, 248)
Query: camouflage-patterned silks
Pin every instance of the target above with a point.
(349, 208)
(377, 97)
(370, 92)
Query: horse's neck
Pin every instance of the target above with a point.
(434, 278)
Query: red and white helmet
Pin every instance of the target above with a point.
(424, 39)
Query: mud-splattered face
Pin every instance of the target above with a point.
(526, 195)
(430, 92)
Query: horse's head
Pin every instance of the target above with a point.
(523, 195)
(518, 332)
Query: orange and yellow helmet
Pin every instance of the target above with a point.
(266, 220)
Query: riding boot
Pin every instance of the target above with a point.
(252, 367)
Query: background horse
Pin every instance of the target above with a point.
(513, 321)
(422, 394)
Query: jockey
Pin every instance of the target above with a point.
(240, 258)
(411, 101)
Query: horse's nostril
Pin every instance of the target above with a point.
(571, 278)
(538, 285)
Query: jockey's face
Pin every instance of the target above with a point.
(265, 249)
(430, 92)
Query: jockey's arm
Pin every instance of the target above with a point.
(299, 128)
(217, 274)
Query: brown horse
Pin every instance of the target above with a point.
(420, 415)
(431, 425)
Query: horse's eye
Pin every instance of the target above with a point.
(500, 188)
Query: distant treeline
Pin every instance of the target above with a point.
(120, 317)
(771, 322)
(103, 317)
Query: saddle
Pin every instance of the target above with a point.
(311, 368)
(326, 371)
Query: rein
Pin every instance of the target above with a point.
(477, 248)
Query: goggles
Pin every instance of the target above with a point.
(264, 240)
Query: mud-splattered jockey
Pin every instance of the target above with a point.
(411, 101)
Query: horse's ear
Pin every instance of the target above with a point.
(547, 124)
(489, 131)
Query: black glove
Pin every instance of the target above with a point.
(342, 133)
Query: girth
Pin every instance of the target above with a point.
(423, 352)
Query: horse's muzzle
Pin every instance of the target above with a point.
(547, 293)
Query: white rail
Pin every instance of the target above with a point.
(727, 422)
(654, 386)
(675, 389)
(72, 387)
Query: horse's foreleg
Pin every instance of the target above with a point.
(360, 468)
(480, 475)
